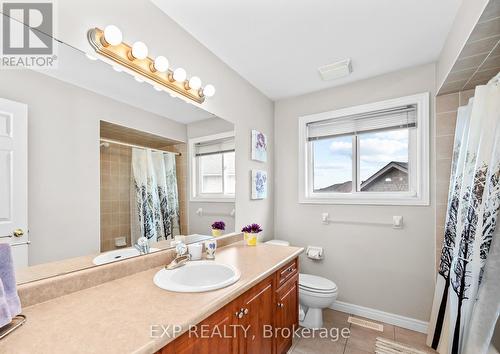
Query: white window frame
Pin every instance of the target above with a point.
(418, 158)
(194, 180)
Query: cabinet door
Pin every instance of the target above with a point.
(257, 305)
(287, 314)
(221, 335)
(214, 335)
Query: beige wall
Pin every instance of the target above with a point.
(446, 118)
(374, 266)
(236, 100)
(63, 159)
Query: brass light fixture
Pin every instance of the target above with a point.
(108, 42)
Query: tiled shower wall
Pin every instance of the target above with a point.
(115, 192)
(115, 195)
(446, 117)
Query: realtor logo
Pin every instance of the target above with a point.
(27, 31)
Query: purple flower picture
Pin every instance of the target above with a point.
(259, 184)
(259, 146)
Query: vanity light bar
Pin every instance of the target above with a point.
(108, 42)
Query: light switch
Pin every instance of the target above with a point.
(324, 218)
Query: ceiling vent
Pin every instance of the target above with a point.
(335, 70)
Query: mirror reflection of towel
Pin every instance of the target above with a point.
(10, 305)
(5, 317)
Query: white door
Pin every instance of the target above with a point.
(14, 179)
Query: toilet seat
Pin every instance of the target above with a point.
(317, 295)
(315, 284)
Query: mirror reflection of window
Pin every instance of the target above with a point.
(214, 163)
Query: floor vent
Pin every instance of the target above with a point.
(367, 324)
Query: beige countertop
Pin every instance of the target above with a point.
(116, 317)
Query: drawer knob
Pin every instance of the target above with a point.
(245, 311)
(280, 304)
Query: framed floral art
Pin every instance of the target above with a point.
(259, 146)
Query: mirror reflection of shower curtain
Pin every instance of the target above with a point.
(154, 196)
(466, 306)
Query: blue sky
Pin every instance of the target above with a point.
(333, 157)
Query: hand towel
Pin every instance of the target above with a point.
(8, 278)
(5, 317)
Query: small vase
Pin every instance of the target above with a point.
(250, 238)
(216, 232)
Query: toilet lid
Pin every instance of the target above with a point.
(315, 283)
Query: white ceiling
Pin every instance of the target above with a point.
(277, 45)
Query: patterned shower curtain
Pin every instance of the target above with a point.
(473, 205)
(154, 200)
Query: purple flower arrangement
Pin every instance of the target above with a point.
(252, 229)
(219, 225)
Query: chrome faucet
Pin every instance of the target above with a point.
(142, 245)
(182, 256)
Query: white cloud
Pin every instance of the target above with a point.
(341, 148)
(333, 166)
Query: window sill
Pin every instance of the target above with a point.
(374, 200)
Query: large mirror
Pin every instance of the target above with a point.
(110, 161)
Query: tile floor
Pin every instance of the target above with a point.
(360, 341)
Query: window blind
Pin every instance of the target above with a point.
(220, 146)
(394, 118)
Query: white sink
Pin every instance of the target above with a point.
(197, 276)
(118, 255)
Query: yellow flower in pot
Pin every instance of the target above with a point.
(217, 228)
(251, 233)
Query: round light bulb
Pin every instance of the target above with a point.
(161, 64)
(113, 35)
(139, 50)
(195, 82)
(180, 75)
(209, 91)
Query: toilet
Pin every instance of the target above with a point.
(315, 294)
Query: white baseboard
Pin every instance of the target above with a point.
(390, 318)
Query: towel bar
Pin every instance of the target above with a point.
(20, 243)
(6, 236)
(8, 329)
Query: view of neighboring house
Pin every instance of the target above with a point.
(393, 177)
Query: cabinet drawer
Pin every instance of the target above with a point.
(287, 271)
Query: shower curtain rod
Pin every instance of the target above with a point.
(137, 146)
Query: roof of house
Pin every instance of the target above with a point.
(347, 186)
(402, 166)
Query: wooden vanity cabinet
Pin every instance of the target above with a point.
(257, 306)
(286, 314)
(271, 304)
